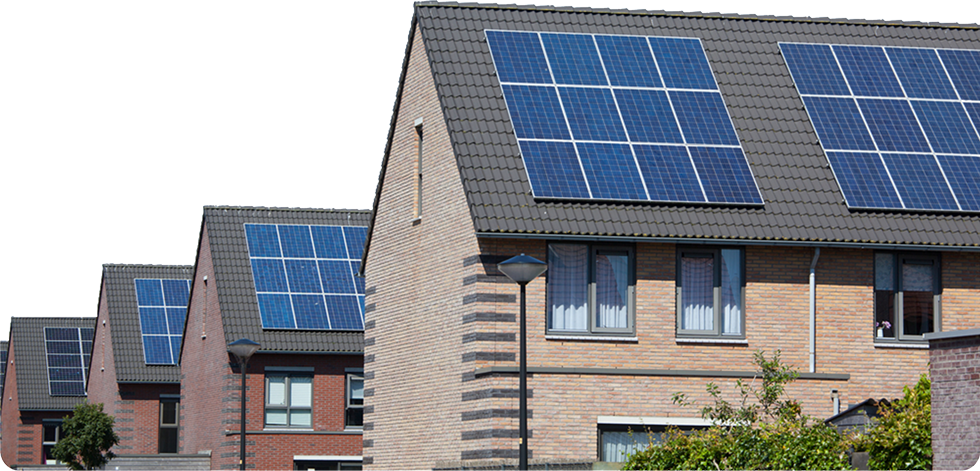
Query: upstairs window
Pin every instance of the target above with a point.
(907, 296)
(354, 410)
(289, 400)
(591, 289)
(169, 421)
(710, 292)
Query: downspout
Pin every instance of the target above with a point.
(813, 310)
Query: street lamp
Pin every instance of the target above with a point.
(522, 269)
(243, 350)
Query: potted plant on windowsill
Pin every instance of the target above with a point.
(881, 326)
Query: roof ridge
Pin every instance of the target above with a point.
(143, 265)
(273, 208)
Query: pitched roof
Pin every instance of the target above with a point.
(28, 354)
(127, 341)
(236, 289)
(803, 203)
(3, 366)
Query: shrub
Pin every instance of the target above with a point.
(902, 435)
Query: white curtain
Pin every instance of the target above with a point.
(567, 287)
(616, 446)
(697, 293)
(612, 291)
(731, 291)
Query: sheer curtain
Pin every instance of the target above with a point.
(612, 291)
(567, 287)
(697, 293)
(731, 291)
(616, 446)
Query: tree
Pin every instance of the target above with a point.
(901, 437)
(87, 437)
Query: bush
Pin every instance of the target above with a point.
(87, 438)
(902, 435)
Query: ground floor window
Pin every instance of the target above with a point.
(354, 415)
(619, 440)
(169, 418)
(52, 433)
(311, 465)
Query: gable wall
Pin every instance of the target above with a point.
(416, 295)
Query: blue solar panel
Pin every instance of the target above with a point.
(162, 306)
(319, 263)
(553, 169)
(703, 118)
(893, 125)
(669, 173)
(610, 94)
(814, 69)
(611, 171)
(921, 73)
(964, 69)
(919, 181)
(67, 353)
(344, 312)
(574, 59)
(683, 63)
(629, 61)
(518, 57)
(864, 180)
(867, 71)
(648, 116)
(592, 114)
(923, 121)
(838, 123)
(536, 112)
(725, 177)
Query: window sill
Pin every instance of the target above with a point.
(710, 340)
(916, 346)
(295, 431)
(592, 338)
(416, 221)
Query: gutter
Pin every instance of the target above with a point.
(813, 310)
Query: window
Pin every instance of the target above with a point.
(418, 162)
(710, 292)
(617, 441)
(354, 415)
(52, 433)
(288, 400)
(907, 296)
(591, 289)
(169, 416)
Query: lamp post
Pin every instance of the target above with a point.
(243, 350)
(522, 269)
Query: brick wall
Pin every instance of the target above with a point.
(211, 385)
(955, 373)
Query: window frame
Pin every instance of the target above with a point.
(353, 375)
(899, 259)
(288, 407)
(713, 252)
(593, 250)
(654, 430)
(47, 445)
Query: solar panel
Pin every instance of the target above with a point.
(612, 117)
(898, 125)
(162, 305)
(68, 351)
(304, 276)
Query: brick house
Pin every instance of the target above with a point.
(134, 371)
(673, 256)
(44, 381)
(954, 364)
(304, 386)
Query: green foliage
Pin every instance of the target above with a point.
(902, 435)
(87, 437)
(763, 431)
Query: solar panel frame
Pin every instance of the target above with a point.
(294, 290)
(162, 307)
(555, 164)
(914, 135)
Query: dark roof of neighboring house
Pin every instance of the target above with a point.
(859, 413)
(3, 367)
(803, 203)
(30, 360)
(236, 290)
(127, 341)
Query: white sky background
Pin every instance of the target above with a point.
(107, 88)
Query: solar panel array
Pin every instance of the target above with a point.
(163, 310)
(899, 125)
(613, 117)
(305, 275)
(68, 351)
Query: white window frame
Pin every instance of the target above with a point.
(353, 376)
(715, 254)
(898, 296)
(592, 253)
(288, 407)
(45, 443)
(642, 425)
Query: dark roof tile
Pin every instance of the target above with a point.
(28, 354)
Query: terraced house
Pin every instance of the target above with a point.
(284, 278)
(701, 187)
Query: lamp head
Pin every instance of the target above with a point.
(522, 268)
(243, 348)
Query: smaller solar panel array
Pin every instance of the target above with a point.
(305, 275)
(163, 310)
(613, 117)
(68, 351)
(899, 125)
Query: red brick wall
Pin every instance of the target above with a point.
(211, 383)
(955, 372)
